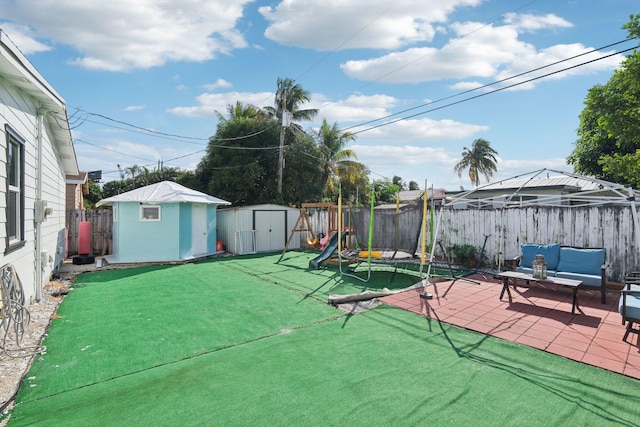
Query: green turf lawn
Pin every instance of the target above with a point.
(250, 341)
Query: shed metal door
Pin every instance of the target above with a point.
(270, 229)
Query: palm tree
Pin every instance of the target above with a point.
(242, 111)
(480, 159)
(132, 171)
(289, 97)
(336, 160)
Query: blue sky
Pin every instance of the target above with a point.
(124, 67)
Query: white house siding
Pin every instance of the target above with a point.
(18, 109)
(53, 192)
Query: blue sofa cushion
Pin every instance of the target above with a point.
(633, 303)
(587, 279)
(582, 261)
(551, 255)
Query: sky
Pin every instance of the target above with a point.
(415, 81)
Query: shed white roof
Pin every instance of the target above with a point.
(163, 192)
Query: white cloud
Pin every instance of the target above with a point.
(374, 24)
(134, 108)
(355, 108)
(480, 51)
(553, 54)
(220, 83)
(464, 86)
(478, 55)
(410, 162)
(121, 35)
(408, 155)
(23, 37)
(210, 103)
(425, 130)
(529, 22)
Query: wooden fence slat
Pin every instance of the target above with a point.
(101, 229)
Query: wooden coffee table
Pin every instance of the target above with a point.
(513, 277)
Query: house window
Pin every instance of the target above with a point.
(149, 213)
(15, 190)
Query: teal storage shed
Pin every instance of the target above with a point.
(163, 222)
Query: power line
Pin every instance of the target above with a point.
(113, 151)
(143, 129)
(480, 95)
(164, 135)
(496, 82)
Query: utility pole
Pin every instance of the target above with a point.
(284, 122)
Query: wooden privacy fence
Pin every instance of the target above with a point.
(609, 227)
(101, 230)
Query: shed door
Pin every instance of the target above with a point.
(198, 229)
(270, 229)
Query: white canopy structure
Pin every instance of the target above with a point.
(163, 192)
(542, 188)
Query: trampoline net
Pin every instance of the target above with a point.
(392, 231)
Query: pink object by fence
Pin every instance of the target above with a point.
(84, 238)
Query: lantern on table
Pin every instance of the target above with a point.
(539, 267)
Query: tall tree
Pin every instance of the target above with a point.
(385, 190)
(94, 196)
(480, 160)
(132, 171)
(333, 151)
(242, 159)
(608, 144)
(290, 97)
(239, 110)
(397, 180)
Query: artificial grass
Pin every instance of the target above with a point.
(382, 367)
(120, 321)
(328, 280)
(250, 341)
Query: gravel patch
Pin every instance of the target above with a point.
(15, 360)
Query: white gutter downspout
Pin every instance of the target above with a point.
(38, 206)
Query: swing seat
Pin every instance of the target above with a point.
(311, 241)
(374, 254)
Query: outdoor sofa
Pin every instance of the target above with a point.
(585, 264)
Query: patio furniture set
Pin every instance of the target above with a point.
(574, 268)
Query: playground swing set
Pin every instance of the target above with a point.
(343, 249)
(320, 241)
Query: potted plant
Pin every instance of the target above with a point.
(466, 254)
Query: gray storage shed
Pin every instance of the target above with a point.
(257, 228)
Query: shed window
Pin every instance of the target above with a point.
(15, 190)
(149, 213)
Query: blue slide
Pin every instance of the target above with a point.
(327, 252)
